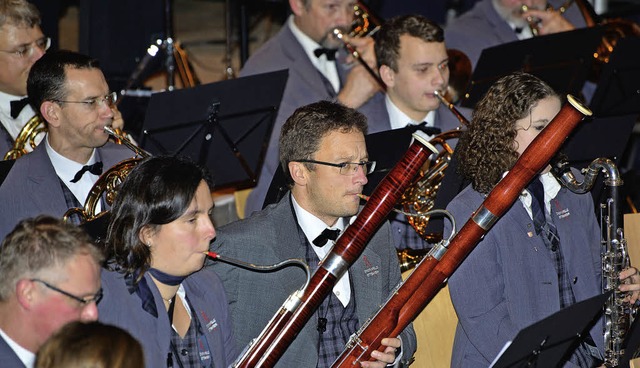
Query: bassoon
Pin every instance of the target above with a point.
(413, 295)
(282, 329)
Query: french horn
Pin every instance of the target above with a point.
(34, 127)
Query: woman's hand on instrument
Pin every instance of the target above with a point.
(383, 358)
(551, 21)
(630, 282)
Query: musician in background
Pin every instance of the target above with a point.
(413, 63)
(154, 284)
(324, 156)
(21, 44)
(318, 70)
(50, 276)
(494, 22)
(72, 95)
(543, 254)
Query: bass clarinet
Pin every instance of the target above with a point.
(618, 315)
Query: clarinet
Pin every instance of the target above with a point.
(618, 315)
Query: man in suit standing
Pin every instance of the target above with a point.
(307, 47)
(413, 63)
(73, 97)
(21, 44)
(324, 156)
(494, 22)
(50, 276)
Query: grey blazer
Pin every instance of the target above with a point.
(32, 187)
(378, 116)
(482, 27)
(509, 280)
(271, 236)
(8, 357)
(304, 86)
(124, 309)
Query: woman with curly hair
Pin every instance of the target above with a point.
(154, 285)
(524, 269)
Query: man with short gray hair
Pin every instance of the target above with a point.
(50, 275)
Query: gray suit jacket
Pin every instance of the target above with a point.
(509, 280)
(378, 116)
(305, 85)
(482, 27)
(271, 236)
(32, 187)
(6, 142)
(8, 357)
(124, 309)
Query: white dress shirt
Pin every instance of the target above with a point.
(328, 68)
(14, 126)
(551, 189)
(28, 358)
(67, 169)
(312, 227)
(400, 120)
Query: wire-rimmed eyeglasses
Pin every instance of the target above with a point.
(84, 301)
(25, 51)
(346, 168)
(109, 99)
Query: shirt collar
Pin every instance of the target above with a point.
(26, 357)
(551, 188)
(311, 225)
(399, 119)
(308, 44)
(64, 167)
(5, 100)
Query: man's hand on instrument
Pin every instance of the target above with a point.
(118, 122)
(391, 345)
(630, 282)
(551, 21)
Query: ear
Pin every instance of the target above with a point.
(25, 293)
(388, 75)
(297, 6)
(146, 235)
(298, 173)
(51, 113)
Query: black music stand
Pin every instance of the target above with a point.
(563, 60)
(618, 92)
(224, 126)
(547, 342)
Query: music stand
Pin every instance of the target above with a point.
(617, 92)
(547, 342)
(563, 60)
(224, 126)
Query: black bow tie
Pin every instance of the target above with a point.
(518, 30)
(325, 235)
(428, 130)
(331, 53)
(17, 106)
(95, 169)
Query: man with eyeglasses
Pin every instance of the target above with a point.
(21, 44)
(325, 159)
(50, 276)
(73, 97)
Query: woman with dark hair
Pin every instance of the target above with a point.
(543, 255)
(93, 344)
(154, 284)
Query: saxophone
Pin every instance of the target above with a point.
(618, 315)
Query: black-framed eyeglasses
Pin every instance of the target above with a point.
(109, 99)
(346, 168)
(84, 301)
(26, 51)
